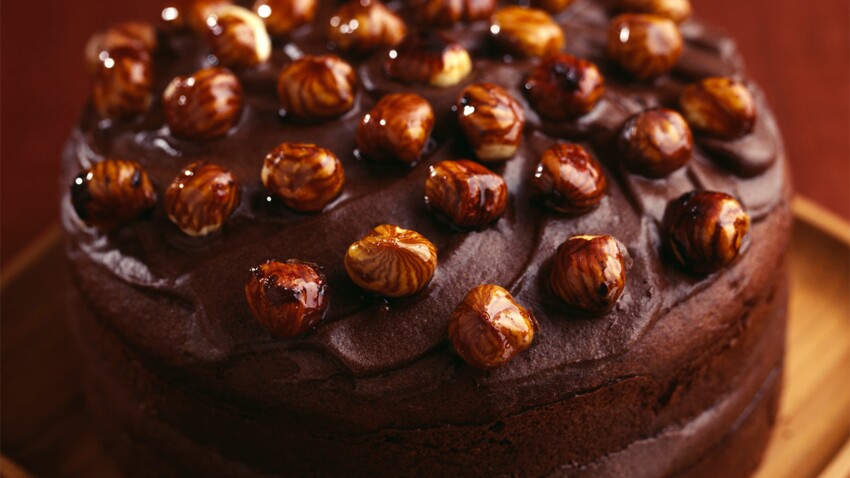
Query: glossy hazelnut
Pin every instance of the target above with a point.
(466, 193)
(201, 198)
(647, 46)
(283, 16)
(136, 35)
(449, 12)
(719, 107)
(391, 261)
(204, 105)
(656, 143)
(123, 83)
(238, 37)
(316, 87)
(489, 328)
(428, 58)
(304, 176)
(287, 298)
(529, 32)
(568, 179)
(199, 11)
(551, 6)
(564, 87)
(589, 272)
(706, 230)
(676, 10)
(112, 193)
(492, 121)
(365, 25)
(397, 128)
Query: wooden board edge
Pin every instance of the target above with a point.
(827, 221)
(9, 469)
(13, 268)
(839, 467)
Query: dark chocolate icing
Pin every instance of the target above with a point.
(179, 301)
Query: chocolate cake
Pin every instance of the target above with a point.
(435, 238)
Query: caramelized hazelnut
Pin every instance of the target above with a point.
(397, 128)
(492, 121)
(656, 142)
(449, 12)
(305, 176)
(391, 261)
(428, 58)
(238, 37)
(112, 193)
(647, 46)
(564, 87)
(489, 328)
(283, 16)
(200, 10)
(676, 10)
(203, 106)
(466, 193)
(526, 31)
(551, 6)
(201, 198)
(589, 272)
(365, 25)
(316, 87)
(136, 35)
(720, 107)
(706, 230)
(287, 298)
(568, 179)
(123, 83)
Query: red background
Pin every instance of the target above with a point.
(798, 51)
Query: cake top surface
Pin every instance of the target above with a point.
(182, 298)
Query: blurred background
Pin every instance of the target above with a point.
(798, 51)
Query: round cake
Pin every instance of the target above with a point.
(435, 238)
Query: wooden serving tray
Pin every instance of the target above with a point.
(44, 428)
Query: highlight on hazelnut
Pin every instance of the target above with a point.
(656, 143)
(589, 272)
(492, 121)
(719, 106)
(365, 25)
(489, 328)
(564, 87)
(204, 105)
(316, 87)
(238, 37)
(201, 198)
(397, 128)
(287, 298)
(676, 10)
(428, 58)
(283, 16)
(551, 6)
(304, 176)
(391, 261)
(132, 34)
(568, 179)
(123, 83)
(449, 12)
(647, 46)
(705, 230)
(466, 193)
(523, 31)
(112, 193)
(199, 11)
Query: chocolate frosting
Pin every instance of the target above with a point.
(179, 301)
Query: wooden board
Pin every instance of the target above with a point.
(43, 425)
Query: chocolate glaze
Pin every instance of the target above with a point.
(177, 303)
